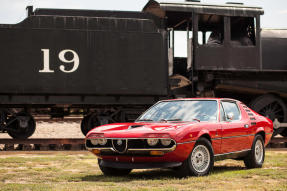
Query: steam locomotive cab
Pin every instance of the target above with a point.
(218, 38)
(224, 55)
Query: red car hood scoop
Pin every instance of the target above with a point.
(135, 126)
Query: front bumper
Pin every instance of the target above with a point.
(178, 155)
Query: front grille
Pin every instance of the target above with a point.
(120, 145)
(123, 145)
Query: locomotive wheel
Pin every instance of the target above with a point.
(22, 126)
(272, 107)
(88, 123)
(84, 124)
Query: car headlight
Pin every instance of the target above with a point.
(94, 141)
(165, 142)
(152, 142)
(102, 141)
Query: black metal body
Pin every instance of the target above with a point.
(121, 58)
(274, 46)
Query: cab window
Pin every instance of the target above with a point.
(242, 31)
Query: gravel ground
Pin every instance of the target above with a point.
(55, 130)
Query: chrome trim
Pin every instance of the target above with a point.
(150, 149)
(186, 142)
(155, 149)
(136, 138)
(99, 148)
(232, 152)
(236, 103)
(116, 150)
(130, 149)
(219, 138)
(233, 137)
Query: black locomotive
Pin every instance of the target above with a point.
(111, 65)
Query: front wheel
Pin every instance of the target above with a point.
(108, 171)
(255, 158)
(200, 161)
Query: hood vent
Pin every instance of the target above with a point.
(135, 126)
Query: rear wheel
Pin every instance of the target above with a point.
(272, 107)
(21, 126)
(255, 157)
(200, 161)
(108, 171)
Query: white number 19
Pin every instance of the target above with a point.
(46, 61)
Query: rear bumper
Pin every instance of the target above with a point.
(142, 165)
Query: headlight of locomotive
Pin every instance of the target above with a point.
(152, 142)
(165, 142)
(102, 141)
(94, 141)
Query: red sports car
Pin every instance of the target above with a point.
(187, 135)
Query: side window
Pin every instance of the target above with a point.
(242, 31)
(231, 107)
(210, 29)
(222, 114)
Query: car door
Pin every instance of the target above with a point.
(234, 131)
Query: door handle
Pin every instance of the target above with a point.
(246, 126)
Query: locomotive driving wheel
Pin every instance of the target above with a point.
(89, 122)
(272, 107)
(21, 126)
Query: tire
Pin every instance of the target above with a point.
(108, 171)
(271, 106)
(255, 157)
(18, 132)
(200, 161)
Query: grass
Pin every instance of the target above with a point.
(80, 172)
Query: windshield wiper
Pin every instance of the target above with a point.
(166, 120)
(196, 119)
(174, 120)
(145, 120)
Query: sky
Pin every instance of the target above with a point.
(13, 11)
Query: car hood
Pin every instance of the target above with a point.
(133, 130)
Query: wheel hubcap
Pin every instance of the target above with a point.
(200, 158)
(258, 151)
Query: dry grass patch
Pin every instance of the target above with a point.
(81, 172)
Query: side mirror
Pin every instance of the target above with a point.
(230, 116)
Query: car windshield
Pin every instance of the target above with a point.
(182, 110)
